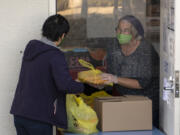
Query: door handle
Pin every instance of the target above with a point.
(169, 84)
(177, 84)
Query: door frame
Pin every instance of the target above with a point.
(52, 11)
(52, 7)
(177, 64)
(172, 107)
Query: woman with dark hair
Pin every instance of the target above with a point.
(44, 81)
(133, 64)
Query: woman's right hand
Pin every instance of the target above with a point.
(109, 78)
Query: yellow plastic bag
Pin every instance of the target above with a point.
(89, 100)
(92, 76)
(81, 117)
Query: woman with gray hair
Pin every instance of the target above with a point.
(133, 64)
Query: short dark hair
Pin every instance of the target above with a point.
(54, 27)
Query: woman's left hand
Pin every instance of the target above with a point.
(109, 78)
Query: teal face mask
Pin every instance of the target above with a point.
(61, 42)
(123, 38)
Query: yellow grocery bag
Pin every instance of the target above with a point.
(81, 117)
(92, 76)
(89, 100)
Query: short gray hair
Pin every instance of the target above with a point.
(135, 33)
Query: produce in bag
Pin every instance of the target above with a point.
(92, 76)
(82, 118)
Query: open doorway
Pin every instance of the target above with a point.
(93, 24)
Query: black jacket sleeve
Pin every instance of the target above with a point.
(62, 77)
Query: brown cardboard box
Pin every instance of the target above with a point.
(124, 113)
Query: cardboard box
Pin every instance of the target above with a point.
(124, 113)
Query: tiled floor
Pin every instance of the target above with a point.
(153, 132)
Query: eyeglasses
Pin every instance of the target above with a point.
(118, 30)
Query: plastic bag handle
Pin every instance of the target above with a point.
(86, 64)
(76, 99)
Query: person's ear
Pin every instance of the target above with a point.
(62, 37)
(60, 40)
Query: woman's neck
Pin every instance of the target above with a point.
(130, 48)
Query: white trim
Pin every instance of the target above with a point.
(177, 63)
(54, 130)
(177, 117)
(52, 7)
(177, 33)
(52, 10)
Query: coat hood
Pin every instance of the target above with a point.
(35, 48)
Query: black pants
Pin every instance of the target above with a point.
(26, 126)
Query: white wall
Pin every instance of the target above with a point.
(21, 21)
